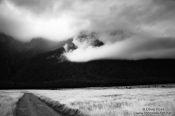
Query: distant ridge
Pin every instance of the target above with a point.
(44, 73)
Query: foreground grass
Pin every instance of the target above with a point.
(99, 101)
(61, 108)
(117, 102)
(8, 100)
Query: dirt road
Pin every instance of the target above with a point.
(30, 105)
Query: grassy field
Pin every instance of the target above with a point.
(8, 100)
(102, 101)
(116, 102)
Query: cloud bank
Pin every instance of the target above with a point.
(130, 29)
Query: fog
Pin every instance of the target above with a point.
(128, 28)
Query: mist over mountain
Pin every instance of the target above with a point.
(50, 68)
(11, 44)
(68, 43)
(14, 54)
(128, 29)
(33, 47)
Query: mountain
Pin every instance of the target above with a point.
(14, 53)
(9, 45)
(41, 45)
(50, 69)
(36, 46)
(10, 54)
(96, 73)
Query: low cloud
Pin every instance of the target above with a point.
(133, 49)
(130, 29)
(58, 19)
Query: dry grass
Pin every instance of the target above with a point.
(61, 108)
(116, 102)
(8, 100)
(99, 101)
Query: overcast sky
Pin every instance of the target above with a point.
(131, 29)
